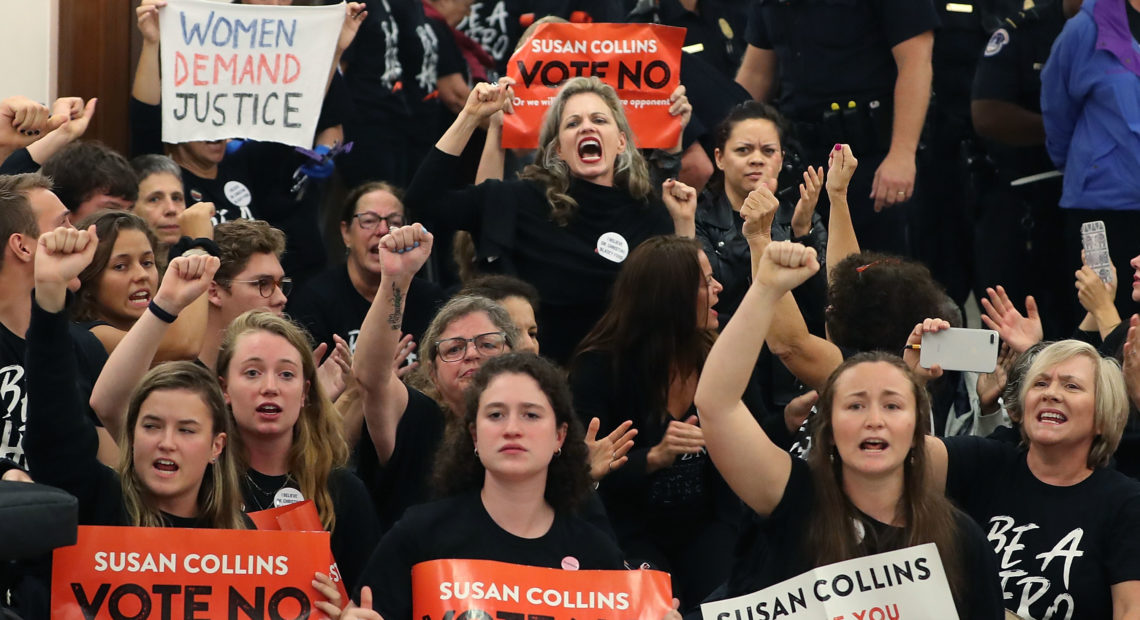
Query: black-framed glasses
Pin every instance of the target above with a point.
(266, 285)
(369, 220)
(486, 345)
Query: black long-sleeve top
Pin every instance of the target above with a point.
(510, 221)
(60, 443)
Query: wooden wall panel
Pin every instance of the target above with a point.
(96, 40)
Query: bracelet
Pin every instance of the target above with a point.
(185, 244)
(162, 315)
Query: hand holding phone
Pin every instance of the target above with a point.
(1094, 242)
(960, 349)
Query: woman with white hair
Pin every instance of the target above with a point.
(1062, 522)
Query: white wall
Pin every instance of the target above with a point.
(29, 48)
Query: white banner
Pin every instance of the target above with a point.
(245, 71)
(906, 584)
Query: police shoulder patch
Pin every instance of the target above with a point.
(997, 41)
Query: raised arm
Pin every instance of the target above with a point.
(841, 240)
(23, 122)
(148, 86)
(75, 115)
(384, 397)
(493, 160)
(60, 444)
(186, 279)
(354, 14)
(485, 99)
(755, 468)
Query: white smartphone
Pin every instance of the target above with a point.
(960, 349)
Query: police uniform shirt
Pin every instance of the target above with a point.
(835, 49)
(715, 32)
(1010, 71)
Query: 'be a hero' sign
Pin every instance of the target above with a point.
(137, 572)
(245, 71)
(641, 61)
(481, 589)
(908, 583)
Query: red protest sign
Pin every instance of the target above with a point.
(142, 572)
(484, 589)
(641, 61)
(299, 517)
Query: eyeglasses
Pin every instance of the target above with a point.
(369, 220)
(267, 285)
(486, 345)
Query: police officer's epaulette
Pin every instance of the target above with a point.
(1026, 15)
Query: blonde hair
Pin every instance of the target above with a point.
(1110, 411)
(630, 171)
(318, 436)
(219, 496)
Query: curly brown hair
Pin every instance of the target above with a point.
(459, 469)
(875, 300)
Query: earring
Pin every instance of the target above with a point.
(476, 451)
(832, 455)
(558, 452)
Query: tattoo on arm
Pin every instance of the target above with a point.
(397, 315)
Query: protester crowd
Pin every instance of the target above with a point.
(735, 397)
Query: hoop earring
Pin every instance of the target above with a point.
(476, 451)
(558, 452)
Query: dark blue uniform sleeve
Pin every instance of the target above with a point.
(997, 76)
(756, 33)
(906, 19)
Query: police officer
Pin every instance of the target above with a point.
(942, 223)
(1018, 234)
(837, 62)
(714, 28)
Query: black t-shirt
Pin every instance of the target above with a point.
(90, 357)
(775, 551)
(329, 304)
(374, 74)
(1059, 549)
(406, 479)
(254, 182)
(830, 50)
(419, 55)
(460, 528)
(356, 530)
(510, 221)
(1009, 70)
(494, 24)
